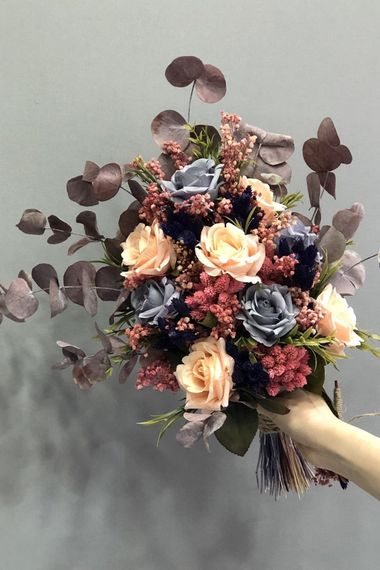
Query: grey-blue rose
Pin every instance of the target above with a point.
(267, 312)
(152, 300)
(199, 177)
(298, 232)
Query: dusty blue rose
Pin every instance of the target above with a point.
(267, 312)
(298, 232)
(199, 177)
(152, 300)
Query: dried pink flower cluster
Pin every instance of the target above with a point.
(309, 313)
(269, 233)
(197, 205)
(173, 149)
(155, 205)
(155, 168)
(274, 271)
(218, 297)
(287, 367)
(157, 375)
(223, 209)
(233, 152)
(137, 334)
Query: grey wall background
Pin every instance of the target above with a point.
(81, 486)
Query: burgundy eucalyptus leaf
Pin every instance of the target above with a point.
(320, 156)
(90, 300)
(32, 222)
(304, 219)
(170, 126)
(76, 246)
(276, 149)
(213, 423)
(74, 353)
(327, 132)
(91, 170)
(89, 221)
(42, 274)
(91, 369)
(350, 276)
(4, 311)
(255, 168)
(113, 248)
(345, 154)
(72, 280)
(118, 345)
(81, 192)
(61, 230)
(347, 221)
(57, 299)
(333, 243)
(129, 219)
(314, 189)
(104, 339)
(184, 70)
(27, 277)
(167, 165)
(108, 181)
(127, 369)
(108, 282)
(123, 297)
(210, 86)
(19, 299)
(190, 433)
(138, 192)
(328, 182)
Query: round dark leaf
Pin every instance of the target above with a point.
(91, 170)
(76, 246)
(138, 192)
(61, 230)
(42, 274)
(81, 192)
(345, 154)
(347, 222)
(184, 70)
(314, 189)
(328, 182)
(167, 165)
(320, 156)
(211, 85)
(106, 281)
(327, 132)
(57, 298)
(127, 368)
(129, 218)
(333, 243)
(32, 222)
(88, 219)
(73, 280)
(19, 299)
(107, 183)
(169, 126)
(113, 249)
(276, 149)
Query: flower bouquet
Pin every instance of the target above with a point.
(221, 290)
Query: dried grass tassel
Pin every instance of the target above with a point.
(281, 467)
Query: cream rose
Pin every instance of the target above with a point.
(339, 319)
(147, 251)
(227, 249)
(206, 374)
(264, 197)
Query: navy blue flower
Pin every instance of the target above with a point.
(307, 257)
(249, 375)
(182, 227)
(171, 339)
(242, 207)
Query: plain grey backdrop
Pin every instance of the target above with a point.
(82, 487)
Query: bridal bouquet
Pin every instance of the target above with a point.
(221, 290)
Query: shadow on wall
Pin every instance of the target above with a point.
(83, 459)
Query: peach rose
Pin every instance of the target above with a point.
(206, 374)
(227, 249)
(147, 251)
(264, 197)
(339, 319)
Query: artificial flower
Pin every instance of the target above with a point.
(264, 197)
(199, 177)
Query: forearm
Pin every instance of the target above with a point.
(354, 454)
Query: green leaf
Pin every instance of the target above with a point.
(239, 429)
(210, 321)
(316, 379)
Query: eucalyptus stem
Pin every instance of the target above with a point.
(359, 262)
(190, 99)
